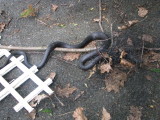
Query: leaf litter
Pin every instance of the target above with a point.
(66, 91)
(105, 115)
(115, 80)
(147, 38)
(2, 26)
(128, 24)
(71, 56)
(135, 113)
(30, 11)
(142, 12)
(78, 114)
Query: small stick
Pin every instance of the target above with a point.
(65, 113)
(111, 34)
(43, 48)
(100, 16)
(59, 100)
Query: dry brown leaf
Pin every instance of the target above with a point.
(148, 77)
(79, 115)
(91, 44)
(147, 38)
(52, 75)
(105, 114)
(126, 63)
(128, 24)
(32, 115)
(105, 68)
(142, 12)
(54, 7)
(135, 113)
(115, 80)
(130, 42)
(65, 92)
(38, 99)
(2, 26)
(71, 56)
(151, 59)
(96, 19)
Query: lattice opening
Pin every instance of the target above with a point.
(27, 88)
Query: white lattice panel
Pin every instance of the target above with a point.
(10, 88)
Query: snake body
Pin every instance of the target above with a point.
(92, 37)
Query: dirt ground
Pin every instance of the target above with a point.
(76, 17)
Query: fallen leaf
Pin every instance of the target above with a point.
(54, 7)
(115, 80)
(65, 92)
(135, 113)
(91, 44)
(142, 12)
(78, 114)
(71, 56)
(105, 68)
(156, 70)
(148, 77)
(126, 63)
(52, 75)
(129, 42)
(151, 59)
(48, 111)
(147, 38)
(92, 72)
(37, 100)
(2, 26)
(105, 114)
(96, 19)
(128, 24)
(30, 11)
(32, 114)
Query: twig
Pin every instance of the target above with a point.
(142, 49)
(65, 113)
(156, 49)
(37, 3)
(111, 34)
(43, 48)
(100, 16)
(59, 100)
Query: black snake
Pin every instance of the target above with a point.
(83, 64)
